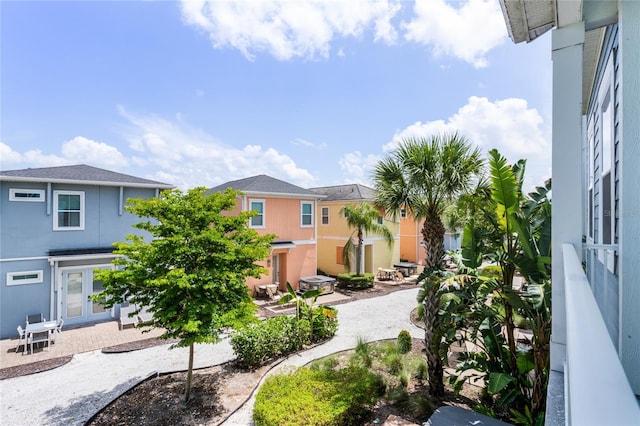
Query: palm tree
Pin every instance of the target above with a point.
(423, 175)
(364, 218)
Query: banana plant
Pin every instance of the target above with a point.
(516, 235)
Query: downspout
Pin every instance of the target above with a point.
(121, 201)
(315, 231)
(49, 199)
(52, 297)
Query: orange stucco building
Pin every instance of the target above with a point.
(289, 212)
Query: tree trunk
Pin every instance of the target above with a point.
(433, 235)
(359, 251)
(433, 339)
(187, 391)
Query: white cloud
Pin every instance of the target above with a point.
(83, 150)
(357, 167)
(508, 125)
(188, 157)
(79, 150)
(309, 144)
(287, 29)
(467, 32)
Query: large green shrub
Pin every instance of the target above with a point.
(280, 336)
(358, 282)
(258, 343)
(317, 397)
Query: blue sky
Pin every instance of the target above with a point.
(198, 93)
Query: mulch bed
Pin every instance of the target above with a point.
(33, 367)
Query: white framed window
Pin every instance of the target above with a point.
(31, 195)
(403, 213)
(24, 277)
(257, 221)
(306, 214)
(325, 215)
(68, 207)
(380, 220)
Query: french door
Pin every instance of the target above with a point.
(77, 285)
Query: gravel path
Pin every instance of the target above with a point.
(71, 394)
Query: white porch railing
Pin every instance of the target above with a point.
(597, 389)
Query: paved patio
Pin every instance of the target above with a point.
(73, 341)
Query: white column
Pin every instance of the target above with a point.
(567, 209)
(629, 232)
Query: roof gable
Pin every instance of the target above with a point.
(79, 174)
(265, 185)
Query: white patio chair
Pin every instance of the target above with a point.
(145, 315)
(22, 339)
(58, 331)
(126, 318)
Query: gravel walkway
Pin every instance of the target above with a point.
(71, 394)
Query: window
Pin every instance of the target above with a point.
(69, 210)
(257, 221)
(306, 214)
(33, 195)
(325, 216)
(380, 220)
(403, 213)
(24, 277)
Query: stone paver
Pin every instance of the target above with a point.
(73, 341)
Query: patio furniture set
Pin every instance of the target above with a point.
(399, 271)
(38, 330)
(132, 315)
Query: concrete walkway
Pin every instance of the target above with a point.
(71, 394)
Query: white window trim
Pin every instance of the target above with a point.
(302, 203)
(14, 191)
(322, 215)
(11, 277)
(56, 227)
(403, 213)
(264, 212)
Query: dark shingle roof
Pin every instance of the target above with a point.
(263, 184)
(81, 174)
(350, 192)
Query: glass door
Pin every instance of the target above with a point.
(77, 286)
(73, 296)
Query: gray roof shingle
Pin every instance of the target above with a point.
(350, 192)
(263, 184)
(79, 174)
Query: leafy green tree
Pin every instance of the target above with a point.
(424, 175)
(363, 217)
(192, 273)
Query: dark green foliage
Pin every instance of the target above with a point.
(280, 336)
(405, 341)
(316, 397)
(357, 282)
(275, 337)
(515, 235)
